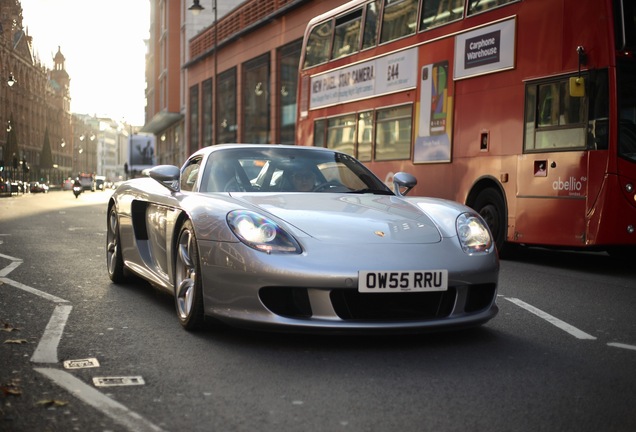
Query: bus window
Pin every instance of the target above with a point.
(399, 19)
(393, 133)
(347, 34)
(320, 133)
(560, 118)
(477, 6)
(319, 44)
(341, 134)
(438, 12)
(370, 34)
(365, 136)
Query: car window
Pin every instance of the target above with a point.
(190, 174)
(286, 170)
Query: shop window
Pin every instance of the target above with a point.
(226, 107)
(194, 118)
(289, 56)
(256, 125)
(207, 101)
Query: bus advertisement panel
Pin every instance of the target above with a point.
(524, 110)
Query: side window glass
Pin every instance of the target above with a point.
(190, 174)
(399, 19)
(318, 44)
(370, 34)
(347, 34)
(477, 6)
(555, 119)
(438, 12)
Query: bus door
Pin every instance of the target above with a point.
(551, 198)
(552, 172)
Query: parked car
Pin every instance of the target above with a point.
(312, 241)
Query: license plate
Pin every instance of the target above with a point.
(402, 281)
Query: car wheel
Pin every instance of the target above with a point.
(114, 260)
(490, 205)
(187, 280)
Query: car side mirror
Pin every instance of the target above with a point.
(167, 175)
(404, 181)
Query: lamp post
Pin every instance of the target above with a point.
(196, 8)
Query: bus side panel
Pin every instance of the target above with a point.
(551, 201)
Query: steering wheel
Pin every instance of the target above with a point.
(332, 184)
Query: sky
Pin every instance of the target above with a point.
(103, 44)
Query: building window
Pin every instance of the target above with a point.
(256, 124)
(194, 118)
(207, 101)
(226, 107)
(289, 56)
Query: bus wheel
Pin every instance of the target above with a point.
(490, 205)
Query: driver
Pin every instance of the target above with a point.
(303, 180)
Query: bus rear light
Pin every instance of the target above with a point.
(630, 229)
(629, 188)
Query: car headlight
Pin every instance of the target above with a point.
(261, 233)
(473, 234)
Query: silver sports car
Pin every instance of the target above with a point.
(301, 239)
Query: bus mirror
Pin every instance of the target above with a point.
(577, 87)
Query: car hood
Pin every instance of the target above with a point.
(343, 218)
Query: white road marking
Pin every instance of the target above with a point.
(32, 290)
(46, 351)
(579, 334)
(113, 409)
(622, 345)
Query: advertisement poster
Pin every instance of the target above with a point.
(141, 151)
(433, 141)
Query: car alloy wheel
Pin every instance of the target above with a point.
(114, 260)
(188, 295)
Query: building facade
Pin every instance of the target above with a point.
(34, 106)
(225, 75)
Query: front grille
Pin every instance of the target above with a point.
(352, 305)
(349, 304)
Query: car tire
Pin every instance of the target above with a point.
(188, 286)
(491, 206)
(114, 259)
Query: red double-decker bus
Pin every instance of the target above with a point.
(523, 109)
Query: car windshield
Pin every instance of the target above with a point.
(281, 169)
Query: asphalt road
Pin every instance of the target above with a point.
(560, 356)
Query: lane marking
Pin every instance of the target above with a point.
(113, 409)
(8, 269)
(32, 290)
(579, 334)
(622, 345)
(46, 351)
